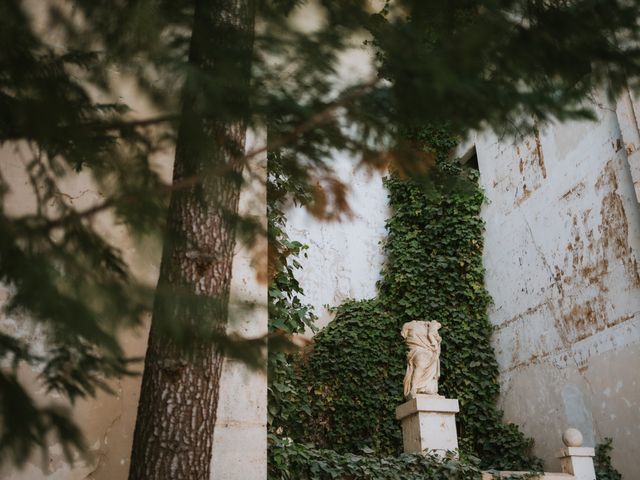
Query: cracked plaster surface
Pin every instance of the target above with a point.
(344, 257)
(561, 267)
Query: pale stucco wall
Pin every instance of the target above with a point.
(107, 420)
(240, 439)
(239, 450)
(344, 257)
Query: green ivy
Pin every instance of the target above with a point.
(602, 462)
(349, 386)
(354, 381)
(287, 313)
(291, 461)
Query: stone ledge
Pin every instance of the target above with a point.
(427, 403)
(576, 452)
(527, 475)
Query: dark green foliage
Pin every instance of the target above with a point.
(291, 461)
(476, 53)
(602, 461)
(355, 381)
(286, 311)
(353, 377)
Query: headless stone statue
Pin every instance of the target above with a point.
(423, 358)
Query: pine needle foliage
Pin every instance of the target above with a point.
(63, 68)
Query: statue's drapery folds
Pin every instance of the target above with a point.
(423, 358)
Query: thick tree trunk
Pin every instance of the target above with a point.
(179, 395)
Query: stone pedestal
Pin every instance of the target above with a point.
(576, 459)
(429, 424)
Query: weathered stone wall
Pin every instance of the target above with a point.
(561, 252)
(239, 439)
(107, 421)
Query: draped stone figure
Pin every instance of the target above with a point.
(423, 358)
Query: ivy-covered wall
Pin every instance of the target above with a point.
(342, 393)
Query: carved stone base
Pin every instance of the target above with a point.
(578, 461)
(429, 424)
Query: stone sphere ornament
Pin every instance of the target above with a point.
(572, 437)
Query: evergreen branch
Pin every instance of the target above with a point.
(76, 215)
(319, 118)
(16, 133)
(144, 122)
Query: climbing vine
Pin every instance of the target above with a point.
(602, 462)
(347, 388)
(287, 313)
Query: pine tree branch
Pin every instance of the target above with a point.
(319, 118)
(17, 133)
(74, 216)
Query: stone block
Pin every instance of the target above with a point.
(429, 424)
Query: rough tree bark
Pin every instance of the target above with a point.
(179, 394)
